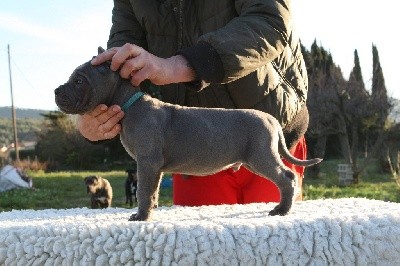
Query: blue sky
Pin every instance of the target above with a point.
(49, 38)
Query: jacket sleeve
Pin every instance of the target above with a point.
(125, 27)
(251, 40)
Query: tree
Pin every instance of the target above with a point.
(325, 103)
(365, 114)
(63, 147)
(379, 93)
(381, 107)
(357, 111)
(346, 109)
(392, 147)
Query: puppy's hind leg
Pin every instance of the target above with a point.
(284, 179)
(287, 191)
(93, 203)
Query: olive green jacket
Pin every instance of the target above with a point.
(244, 52)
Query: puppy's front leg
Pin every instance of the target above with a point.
(93, 203)
(147, 191)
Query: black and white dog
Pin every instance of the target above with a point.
(131, 186)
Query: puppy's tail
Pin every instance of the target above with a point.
(283, 150)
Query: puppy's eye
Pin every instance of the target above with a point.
(78, 81)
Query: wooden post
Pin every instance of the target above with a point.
(14, 120)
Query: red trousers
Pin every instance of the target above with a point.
(229, 187)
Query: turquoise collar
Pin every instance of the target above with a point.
(131, 100)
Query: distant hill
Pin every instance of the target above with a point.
(5, 112)
(29, 123)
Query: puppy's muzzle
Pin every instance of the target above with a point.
(70, 102)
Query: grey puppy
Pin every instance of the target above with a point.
(163, 137)
(100, 191)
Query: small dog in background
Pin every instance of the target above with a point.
(100, 190)
(131, 186)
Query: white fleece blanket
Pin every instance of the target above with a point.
(316, 232)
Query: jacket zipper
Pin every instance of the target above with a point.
(179, 11)
(180, 30)
(282, 76)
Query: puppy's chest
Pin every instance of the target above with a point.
(132, 188)
(137, 137)
(101, 199)
(127, 141)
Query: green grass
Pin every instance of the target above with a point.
(61, 190)
(373, 185)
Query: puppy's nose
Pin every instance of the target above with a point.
(57, 91)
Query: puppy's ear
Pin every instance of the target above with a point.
(100, 50)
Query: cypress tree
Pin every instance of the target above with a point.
(356, 72)
(378, 89)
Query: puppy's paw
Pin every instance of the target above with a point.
(279, 210)
(134, 218)
(139, 217)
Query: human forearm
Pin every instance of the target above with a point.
(205, 62)
(178, 70)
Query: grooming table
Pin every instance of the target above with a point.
(351, 231)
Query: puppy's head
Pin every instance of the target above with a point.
(87, 87)
(92, 183)
(132, 174)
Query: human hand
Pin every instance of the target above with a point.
(101, 123)
(136, 64)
